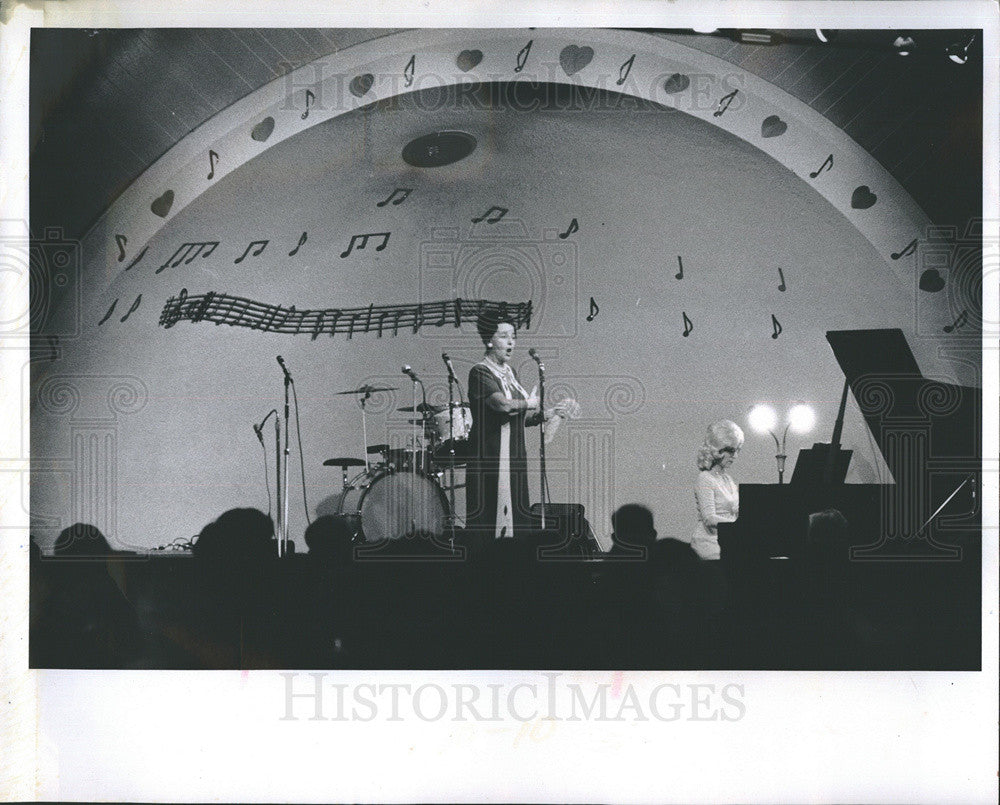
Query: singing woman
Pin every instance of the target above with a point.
(497, 501)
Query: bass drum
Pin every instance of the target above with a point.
(393, 505)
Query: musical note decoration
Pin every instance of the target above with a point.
(364, 242)
(310, 97)
(137, 258)
(221, 308)
(302, 239)
(212, 159)
(489, 216)
(402, 192)
(260, 244)
(133, 309)
(625, 69)
(680, 269)
(781, 276)
(909, 249)
(190, 250)
(594, 310)
(827, 165)
(963, 318)
(724, 103)
(409, 70)
(573, 227)
(468, 59)
(121, 241)
(776, 325)
(688, 325)
(522, 56)
(108, 314)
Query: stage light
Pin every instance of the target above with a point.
(904, 45)
(801, 418)
(762, 418)
(958, 52)
(704, 30)
(821, 36)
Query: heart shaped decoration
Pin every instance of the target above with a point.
(931, 281)
(263, 129)
(361, 84)
(468, 59)
(676, 83)
(862, 198)
(162, 205)
(573, 59)
(773, 126)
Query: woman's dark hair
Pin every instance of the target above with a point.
(488, 323)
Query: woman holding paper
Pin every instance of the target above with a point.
(497, 500)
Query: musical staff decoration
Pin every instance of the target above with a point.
(236, 311)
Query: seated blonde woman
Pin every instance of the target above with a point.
(716, 493)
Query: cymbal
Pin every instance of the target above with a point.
(368, 390)
(343, 462)
(425, 407)
(377, 448)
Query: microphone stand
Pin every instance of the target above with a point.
(277, 480)
(451, 452)
(283, 542)
(541, 433)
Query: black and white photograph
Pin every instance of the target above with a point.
(624, 351)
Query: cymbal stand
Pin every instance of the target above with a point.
(364, 433)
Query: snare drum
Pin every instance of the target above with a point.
(462, 424)
(388, 504)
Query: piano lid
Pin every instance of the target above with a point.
(894, 396)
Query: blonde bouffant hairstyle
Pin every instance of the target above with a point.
(723, 433)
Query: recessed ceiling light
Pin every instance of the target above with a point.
(438, 149)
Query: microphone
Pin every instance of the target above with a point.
(281, 362)
(408, 371)
(447, 362)
(534, 356)
(258, 429)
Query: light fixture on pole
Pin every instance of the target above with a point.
(904, 44)
(763, 419)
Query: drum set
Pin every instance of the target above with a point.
(408, 491)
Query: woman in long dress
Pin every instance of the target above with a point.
(497, 501)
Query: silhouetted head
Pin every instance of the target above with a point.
(238, 534)
(829, 542)
(632, 525)
(330, 537)
(81, 539)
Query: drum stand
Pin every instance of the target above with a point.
(364, 432)
(283, 491)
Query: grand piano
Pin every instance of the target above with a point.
(911, 552)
